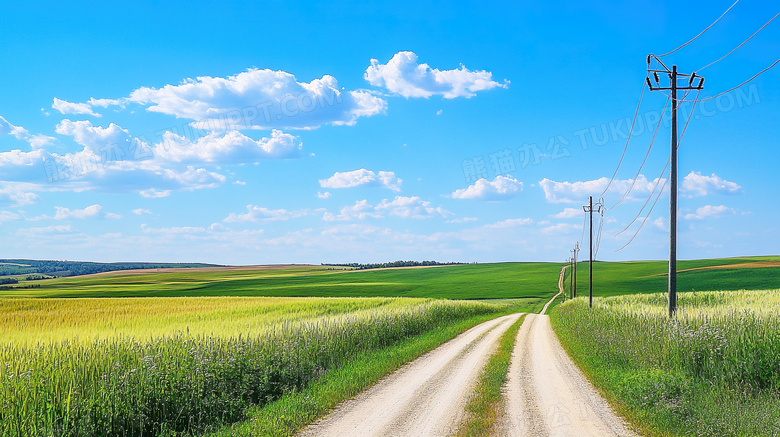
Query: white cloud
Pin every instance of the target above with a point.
(48, 230)
(154, 194)
(325, 195)
(403, 75)
(568, 213)
(173, 230)
(35, 141)
(502, 187)
(66, 107)
(360, 210)
(401, 206)
(141, 211)
(708, 211)
(463, 220)
(65, 213)
(260, 99)
(411, 207)
(561, 228)
(17, 194)
(696, 184)
(224, 149)
(578, 191)
(112, 143)
(510, 223)
(8, 216)
(661, 223)
(356, 178)
(258, 213)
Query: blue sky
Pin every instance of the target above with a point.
(290, 132)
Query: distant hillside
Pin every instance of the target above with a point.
(10, 267)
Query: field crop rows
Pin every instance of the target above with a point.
(714, 370)
(123, 378)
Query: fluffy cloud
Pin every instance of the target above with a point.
(401, 206)
(411, 207)
(576, 192)
(325, 195)
(257, 213)
(17, 194)
(709, 211)
(7, 216)
(568, 213)
(173, 230)
(502, 187)
(65, 213)
(260, 99)
(360, 210)
(356, 178)
(510, 223)
(141, 211)
(231, 148)
(35, 141)
(113, 143)
(66, 107)
(403, 75)
(696, 184)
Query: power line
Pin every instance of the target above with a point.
(646, 217)
(743, 43)
(601, 226)
(700, 33)
(658, 181)
(633, 181)
(644, 84)
(730, 89)
(652, 193)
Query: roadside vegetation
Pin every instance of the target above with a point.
(485, 407)
(196, 382)
(713, 370)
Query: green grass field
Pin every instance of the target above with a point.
(535, 282)
(192, 365)
(167, 352)
(714, 370)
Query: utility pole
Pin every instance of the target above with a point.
(571, 278)
(589, 209)
(576, 251)
(673, 77)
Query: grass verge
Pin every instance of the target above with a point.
(293, 411)
(485, 405)
(713, 370)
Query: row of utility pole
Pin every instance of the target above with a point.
(673, 88)
(589, 208)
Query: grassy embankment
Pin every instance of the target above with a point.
(715, 370)
(187, 383)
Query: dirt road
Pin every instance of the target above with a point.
(425, 397)
(547, 395)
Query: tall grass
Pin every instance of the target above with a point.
(186, 384)
(712, 370)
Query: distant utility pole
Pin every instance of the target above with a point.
(589, 209)
(576, 251)
(571, 278)
(673, 76)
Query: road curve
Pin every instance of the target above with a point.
(547, 395)
(424, 398)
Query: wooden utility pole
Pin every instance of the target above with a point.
(589, 209)
(673, 76)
